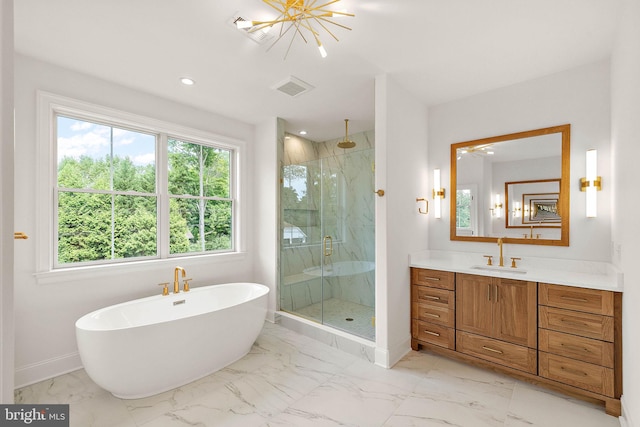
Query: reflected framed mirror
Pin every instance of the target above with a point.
(514, 186)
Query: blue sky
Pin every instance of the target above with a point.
(78, 138)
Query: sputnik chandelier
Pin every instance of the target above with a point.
(299, 15)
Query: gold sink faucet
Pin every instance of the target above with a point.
(500, 242)
(176, 281)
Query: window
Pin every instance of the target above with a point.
(313, 200)
(466, 211)
(107, 203)
(296, 205)
(199, 197)
(129, 188)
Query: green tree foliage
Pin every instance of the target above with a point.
(84, 227)
(102, 226)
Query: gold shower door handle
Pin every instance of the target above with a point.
(328, 251)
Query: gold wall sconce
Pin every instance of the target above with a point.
(438, 194)
(592, 183)
(517, 210)
(426, 205)
(496, 210)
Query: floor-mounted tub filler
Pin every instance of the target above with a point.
(147, 346)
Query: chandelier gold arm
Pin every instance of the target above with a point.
(300, 14)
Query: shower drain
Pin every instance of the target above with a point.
(349, 319)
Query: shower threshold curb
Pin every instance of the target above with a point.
(357, 346)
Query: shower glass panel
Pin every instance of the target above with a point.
(327, 251)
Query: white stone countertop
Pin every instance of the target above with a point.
(584, 274)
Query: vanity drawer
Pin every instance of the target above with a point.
(576, 323)
(433, 278)
(500, 352)
(434, 296)
(574, 347)
(587, 376)
(434, 313)
(433, 334)
(580, 299)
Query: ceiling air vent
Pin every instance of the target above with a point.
(293, 86)
(258, 36)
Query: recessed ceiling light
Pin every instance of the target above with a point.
(187, 81)
(303, 132)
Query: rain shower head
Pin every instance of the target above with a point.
(346, 143)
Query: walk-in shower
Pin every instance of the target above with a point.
(327, 267)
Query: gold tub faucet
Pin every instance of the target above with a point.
(176, 281)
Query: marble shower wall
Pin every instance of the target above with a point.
(346, 178)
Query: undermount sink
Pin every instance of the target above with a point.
(499, 269)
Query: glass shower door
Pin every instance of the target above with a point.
(348, 218)
(301, 255)
(327, 248)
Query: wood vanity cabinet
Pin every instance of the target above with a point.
(562, 337)
(496, 320)
(433, 307)
(580, 340)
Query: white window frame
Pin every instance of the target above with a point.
(49, 106)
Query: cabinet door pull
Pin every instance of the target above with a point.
(574, 298)
(493, 350)
(574, 371)
(489, 292)
(430, 297)
(432, 315)
(575, 347)
(496, 293)
(435, 334)
(435, 279)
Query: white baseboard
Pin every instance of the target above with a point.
(382, 357)
(272, 316)
(626, 419)
(388, 358)
(46, 369)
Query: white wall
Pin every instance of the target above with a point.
(45, 313)
(581, 97)
(401, 158)
(265, 181)
(6, 202)
(625, 108)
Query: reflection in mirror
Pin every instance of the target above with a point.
(514, 186)
(533, 205)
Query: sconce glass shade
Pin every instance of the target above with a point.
(438, 194)
(592, 183)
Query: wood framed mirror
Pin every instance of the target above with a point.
(514, 186)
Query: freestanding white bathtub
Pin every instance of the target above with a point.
(150, 345)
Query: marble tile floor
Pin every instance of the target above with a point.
(334, 312)
(289, 380)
